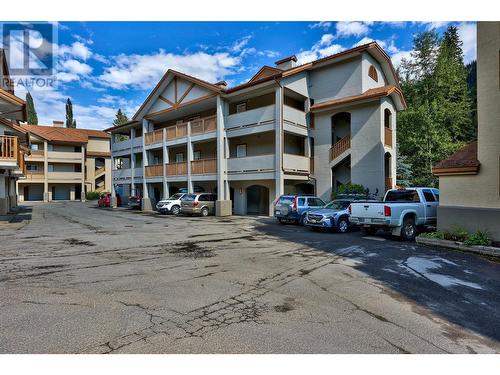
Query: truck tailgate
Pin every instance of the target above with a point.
(368, 212)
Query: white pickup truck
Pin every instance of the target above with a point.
(401, 212)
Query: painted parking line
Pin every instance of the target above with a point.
(374, 238)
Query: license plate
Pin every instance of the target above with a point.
(276, 212)
(312, 221)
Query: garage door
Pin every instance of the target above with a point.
(35, 193)
(60, 193)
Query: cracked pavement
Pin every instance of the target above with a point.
(78, 279)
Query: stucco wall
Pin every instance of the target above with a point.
(240, 197)
(368, 82)
(99, 145)
(257, 144)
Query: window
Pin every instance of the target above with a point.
(301, 202)
(429, 197)
(78, 167)
(34, 146)
(387, 118)
(179, 157)
(402, 196)
(241, 107)
(372, 73)
(436, 194)
(241, 151)
(197, 155)
(32, 167)
(51, 167)
(315, 202)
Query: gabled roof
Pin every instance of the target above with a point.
(65, 135)
(13, 125)
(171, 73)
(265, 71)
(368, 95)
(464, 161)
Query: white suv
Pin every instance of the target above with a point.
(171, 205)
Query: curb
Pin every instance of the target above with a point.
(483, 250)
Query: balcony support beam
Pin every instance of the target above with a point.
(45, 171)
(145, 202)
(166, 192)
(280, 179)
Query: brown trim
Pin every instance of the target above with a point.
(149, 115)
(98, 153)
(161, 97)
(284, 60)
(455, 171)
(11, 97)
(191, 86)
(372, 73)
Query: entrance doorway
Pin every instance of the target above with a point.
(257, 200)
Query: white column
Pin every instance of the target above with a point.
(45, 171)
(82, 196)
(113, 190)
(166, 192)
(222, 152)
(280, 180)
(189, 159)
(132, 162)
(146, 202)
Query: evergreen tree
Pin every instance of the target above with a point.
(70, 121)
(472, 89)
(30, 109)
(120, 118)
(404, 173)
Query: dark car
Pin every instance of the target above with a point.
(293, 208)
(134, 202)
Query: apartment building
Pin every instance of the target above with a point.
(469, 180)
(65, 163)
(13, 139)
(291, 129)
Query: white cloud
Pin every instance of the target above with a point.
(240, 44)
(352, 28)
(77, 49)
(76, 67)
(322, 48)
(468, 35)
(325, 25)
(144, 71)
(435, 24)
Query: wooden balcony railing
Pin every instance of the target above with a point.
(204, 166)
(177, 131)
(37, 153)
(9, 147)
(388, 137)
(153, 137)
(341, 146)
(388, 183)
(204, 125)
(34, 175)
(177, 169)
(153, 170)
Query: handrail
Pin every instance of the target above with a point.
(177, 168)
(203, 166)
(153, 170)
(9, 147)
(155, 136)
(339, 147)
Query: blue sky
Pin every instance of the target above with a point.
(104, 66)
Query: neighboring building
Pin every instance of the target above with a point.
(469, 180)
(13, 139)
(65, 163)
(304, 129)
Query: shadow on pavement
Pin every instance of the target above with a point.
(17, 215)
(459, 287)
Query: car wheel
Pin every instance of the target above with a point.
(409, 230)
(343, 225)
(302, 219)
(175, 210)
(204, 211)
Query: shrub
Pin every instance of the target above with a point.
(434, 235)
(457, 234)
(92, 195)
(480, 238)
(349, 189)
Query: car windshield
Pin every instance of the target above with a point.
(337, 205)
(175, 197)
(189, 197)
(286, 200)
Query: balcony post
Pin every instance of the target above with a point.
(82, 195)
(166, 192)
(45, 171)
(189, 159)
(146, 202)
(280, 181)
(132, 162)
(223, 206)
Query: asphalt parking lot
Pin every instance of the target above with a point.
(78, 279)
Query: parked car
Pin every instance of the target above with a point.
(334, 215)
(134, 202)
(293, 208)
(171, 205)
(198, 204)
(402, 212)
(105, 200)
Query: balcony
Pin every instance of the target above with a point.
(249, 164)
(153, 137)
(65, 157)
(177, 169)
(294, 116)
(177, 131)
(126, 173)
(65, 176)
(127, 144)
(296, 163)
(253, 117)
(11, 155)
(35, 176)
(204, 125)
(155, 170)
(340, 147)
(388, 137)
(204, 166)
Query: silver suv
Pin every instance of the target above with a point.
(293, 208)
